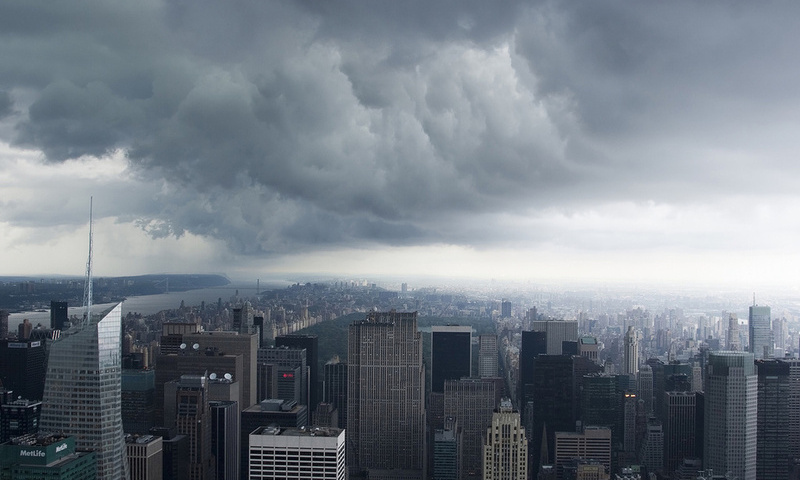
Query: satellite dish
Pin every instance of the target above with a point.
(228, 376)
(183, 346)
(213, 376)
(196, 346)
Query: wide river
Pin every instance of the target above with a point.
(150, 304)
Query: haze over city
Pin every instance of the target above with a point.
(594, 142)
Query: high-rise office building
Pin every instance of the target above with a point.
(192, 417)
(292, 453)
(311, 344)
(243, 318)
(59, 318)
(505, 453)
(19, 417)
(505, 309)
(651, 453)
(731, 431)
(630, 365)
(680, 417)
(83, 391)
(554, 407)
(225, 438)
(138, 400)
(760, 332)
(386, 396)
(193, 361)
(532, 345)
(145, 456)
(645, 384)
(487, 356)
(451, 354)
(268, 412)
(3, 324)
(447, 454)
(23, 365)
(589, 347)
(774, 390)
(794, 407)
(733, 342)
(557, 331)
(594, 443)
(334, 388)
(471, 403)
(291, 373)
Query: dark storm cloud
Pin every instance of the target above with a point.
(278, 126)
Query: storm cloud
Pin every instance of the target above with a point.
(282, 127)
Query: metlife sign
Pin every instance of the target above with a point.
(37, 454)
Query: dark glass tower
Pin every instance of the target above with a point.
(772, 455)
(59, 319)
(83, 391)
(311, 344)
(334, 389)
(23, 365)
(451, 354)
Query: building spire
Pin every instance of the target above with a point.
(87, 288)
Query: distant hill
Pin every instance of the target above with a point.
(30, 293)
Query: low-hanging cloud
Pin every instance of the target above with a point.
(280, 127)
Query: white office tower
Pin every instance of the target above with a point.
(311, 453)
(505, 449)
(83, 391)
(731, 413)
(760, 332)
(631, 366)
(733, 343)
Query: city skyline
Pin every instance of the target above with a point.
(603, 143)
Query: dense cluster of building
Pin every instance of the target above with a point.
(542, 398)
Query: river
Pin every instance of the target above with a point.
(150, 304)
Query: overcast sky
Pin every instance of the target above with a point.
(599, 141)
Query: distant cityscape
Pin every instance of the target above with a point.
(355, 379)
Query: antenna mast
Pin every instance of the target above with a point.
(87, 287)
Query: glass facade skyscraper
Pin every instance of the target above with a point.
(83, 392)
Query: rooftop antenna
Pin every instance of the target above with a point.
(87, 287)
(754, 299)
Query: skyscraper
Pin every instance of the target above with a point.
(631, 361)
(83, 391)
(730, 432)
(773, 412)
(679, 428)
(557, 331)
(311, 344)
(733, 343)
(334, 389)
(308, 453)
(23, 366)
(487, 356)
(760, 330)
(451, 354)
(3, 324)
(386, 396)
(191, 416)
(470, 401)
(59, 319)
(505, 453)
(645, 384)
